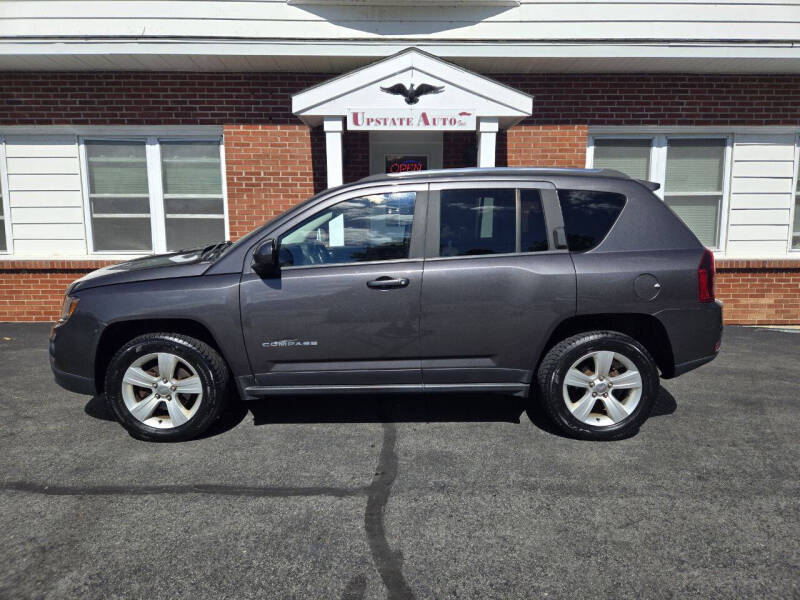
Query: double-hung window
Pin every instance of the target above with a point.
(691, 171)
(153, 194)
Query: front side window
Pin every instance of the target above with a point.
(474, 222)
(126, 181)
(370, 228)
(693, 186)
(588, 216)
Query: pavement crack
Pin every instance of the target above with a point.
(388, 562)
(220, 490)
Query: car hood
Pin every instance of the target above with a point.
(186, 263)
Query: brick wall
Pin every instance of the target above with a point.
(759, 292)
(273, 161)
(269, 170)
(355, 145)
(107, 98)
(546, 146)
(34, 290)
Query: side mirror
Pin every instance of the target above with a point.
(265, 259)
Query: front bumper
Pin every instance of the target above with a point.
(72, 349)
(72, 382)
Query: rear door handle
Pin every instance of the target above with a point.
(387, 283)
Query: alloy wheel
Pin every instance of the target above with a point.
(602, 388)
(162, 390)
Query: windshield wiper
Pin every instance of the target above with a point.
(214, 249)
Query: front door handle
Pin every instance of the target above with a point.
(387, 283)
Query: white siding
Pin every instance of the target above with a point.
(761, 195)
(45, 195)
(532, 20)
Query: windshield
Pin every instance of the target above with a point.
(257, 232)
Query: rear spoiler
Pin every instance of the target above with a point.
(650, 185)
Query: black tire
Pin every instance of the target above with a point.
(210, 368)
(553, 369)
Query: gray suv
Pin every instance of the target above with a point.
(576, 288)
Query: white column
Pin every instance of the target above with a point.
(333, 127)
(487, 140)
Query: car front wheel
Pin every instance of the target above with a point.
(166, 387)
(598, 385)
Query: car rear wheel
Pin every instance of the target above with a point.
(166, 387)
(598, 385)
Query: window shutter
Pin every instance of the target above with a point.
(119, 195)
(695, 165)
(631, 156)
(193, 204)
(693, 184)
(191, 168)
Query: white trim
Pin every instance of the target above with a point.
(487, 141)
(509, 56)
(155, 188)
(652, 130)
(725, 208)
(116, 131)
(658, 162)
(158, 226)
(224, 172)
(795, 193)
(83, 166)
(334, 151)
(6, 201)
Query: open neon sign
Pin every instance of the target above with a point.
(404, 164)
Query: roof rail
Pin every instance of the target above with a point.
(497, 171)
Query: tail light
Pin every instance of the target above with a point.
(705, 277)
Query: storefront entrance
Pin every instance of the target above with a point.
(406, 102)
(401, 151)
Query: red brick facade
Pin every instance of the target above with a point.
(273, 161)
(760, 292)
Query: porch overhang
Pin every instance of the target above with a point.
(458, 89)
(410, 91)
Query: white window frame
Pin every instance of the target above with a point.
(158, 227)
(6, 200)
(795, 193)
(658, 167)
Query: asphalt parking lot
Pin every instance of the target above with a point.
(423, 497)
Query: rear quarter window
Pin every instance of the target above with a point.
(588, 216)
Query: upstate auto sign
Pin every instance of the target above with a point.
(410, 119)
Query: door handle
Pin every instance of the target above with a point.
(387, 283)
(560, 238)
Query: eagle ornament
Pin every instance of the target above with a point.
(412, 94)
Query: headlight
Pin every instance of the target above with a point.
(69, 306)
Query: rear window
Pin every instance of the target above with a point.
(588, 216)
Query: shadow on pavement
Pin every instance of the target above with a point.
(413, 408)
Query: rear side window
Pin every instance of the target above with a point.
(588, 216)
(477, 222)
(486, 221)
